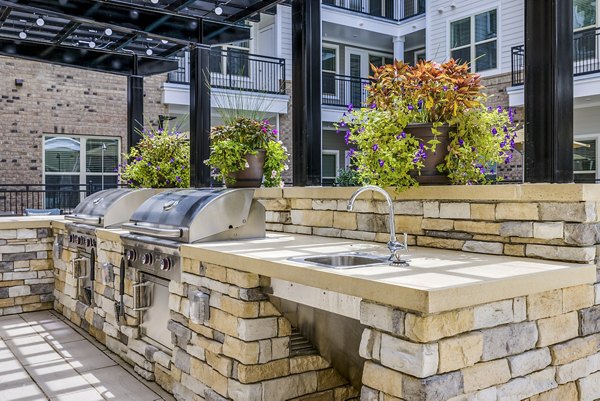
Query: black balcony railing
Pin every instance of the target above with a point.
(586, 55)
(396, 10)
(239, 70)
(15, 198)
(342, 90)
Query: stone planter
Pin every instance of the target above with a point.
(250, 177)
(429, 173)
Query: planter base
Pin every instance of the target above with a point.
(429, 173)
(250, 177)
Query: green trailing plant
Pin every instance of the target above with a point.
(230, 143)
(387, 155)
(346, 177)
(160, 160)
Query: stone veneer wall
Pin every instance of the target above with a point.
(542, 347)
(557, 230)
(26, 276)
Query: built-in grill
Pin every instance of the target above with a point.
(166, 221)
(106, 209)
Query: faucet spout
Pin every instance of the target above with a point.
(393, 245)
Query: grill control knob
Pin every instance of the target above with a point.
(88, 242)
(79, 240)
(147, 259)
(131, 255)
(71, 238)
(166, 264)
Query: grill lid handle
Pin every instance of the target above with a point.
(84, 219)
(158, 232)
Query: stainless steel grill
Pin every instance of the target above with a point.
(107, 209)
(166, 221)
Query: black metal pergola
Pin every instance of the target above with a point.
(135, 38)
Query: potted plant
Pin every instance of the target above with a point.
(160, 160)
(245, 152)
(424, 120)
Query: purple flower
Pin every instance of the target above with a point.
(172, 160)
(489, 108)
(494, 131)
(403, 134)
(183, 167)
(275, 132)
(410, 107)
(149, 164)
(455, 87)
(157, 168)
(499, 108)
(420, 103)
(139, 158)
(375, 147)
(351, 152)
(505, 129)
(502, 144)
(342, 123)
(168, 181)
(129, 181)
(178, 178)
(116, 170)
(373, 105)
(473, 148)
(461, 142)
(444, 88)
(350, 107)
(381, 163)
(347, 136)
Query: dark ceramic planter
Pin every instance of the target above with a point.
(429, 173)
(250, 177)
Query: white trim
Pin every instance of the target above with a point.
(587, 137)
(335, 47)
(335, 153)
(347, 161)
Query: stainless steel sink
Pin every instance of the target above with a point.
(343, 260)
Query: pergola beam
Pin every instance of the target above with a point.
(89, 59)
(66, 32)
(253, 9)
(4, 15)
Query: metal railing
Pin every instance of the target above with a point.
(15, 198)
(586, 55)
(396, 10)
(237, 69)
(342, 90)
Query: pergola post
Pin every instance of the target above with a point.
(135, 109)
(199, 116)
(549, 91)
(306, 92)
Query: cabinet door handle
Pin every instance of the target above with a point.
(138, 294)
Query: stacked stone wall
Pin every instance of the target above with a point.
(26, 276)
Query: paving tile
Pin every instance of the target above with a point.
(32, 349)
(87, 395)
(62, 336)
(114, 383)
(15, 383)
(39, 317)
(83, 355)
(59, 380)
(13, 326)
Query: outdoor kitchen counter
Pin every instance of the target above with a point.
(16, 222)
(437, 280)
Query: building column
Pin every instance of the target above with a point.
(135, 110)
(399, 47)
(199, 117)
(549, 91)
(306, 92)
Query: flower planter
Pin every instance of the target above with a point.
(250, 177)
(429, 173)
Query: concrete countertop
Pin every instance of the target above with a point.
(16, 222)
(437, 280)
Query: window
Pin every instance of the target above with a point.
(231, 59)
(72, 163)
(331, 163)
(329, 66)
(474, 40)
(584, 26)
(584, 161)
(378, 61)
(584, 14)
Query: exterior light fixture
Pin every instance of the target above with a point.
(149, 52)
(154, 1)
(23, 35)
(218, 10)
(40, 21)
(91, 44)
(108, 31)
(164, 41)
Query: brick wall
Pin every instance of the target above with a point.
(61, 100)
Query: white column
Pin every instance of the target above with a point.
(399, 47)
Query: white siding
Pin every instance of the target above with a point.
(283, 37)
(510, 26)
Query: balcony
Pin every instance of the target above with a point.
(238, 70)
(341, 90)
(586, 56)
(395, 10)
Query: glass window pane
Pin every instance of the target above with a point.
(485, 26)
(377, 61)
(463, 55)
(584, 13)
(375, 7)
(584, 158)
(238, 63)
(329, 166)
(61, 154)
(101, 155)
(215, 63)
(62, 191)
(389, 60)
(329, 59)
(460, 33)
(485, 56)
(94, 183)
(328, 83)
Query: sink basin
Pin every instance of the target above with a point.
(343, 260)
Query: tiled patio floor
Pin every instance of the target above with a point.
(44, 358)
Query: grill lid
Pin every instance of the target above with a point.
(110, 207)
(190, 215)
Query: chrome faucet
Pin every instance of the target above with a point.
(396, 248)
